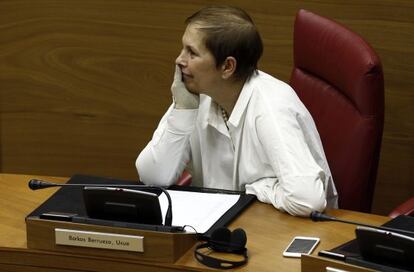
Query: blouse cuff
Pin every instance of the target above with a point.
(182, 121)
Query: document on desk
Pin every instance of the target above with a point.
(199, 210)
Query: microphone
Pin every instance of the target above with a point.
(36, 184)
(318, 216)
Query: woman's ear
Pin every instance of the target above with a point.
(229, 67)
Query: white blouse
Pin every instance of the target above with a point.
(271, 148)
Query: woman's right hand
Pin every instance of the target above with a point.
(183, 99)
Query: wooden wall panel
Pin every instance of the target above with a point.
(84, 83)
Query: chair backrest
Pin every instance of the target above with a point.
(339, 78)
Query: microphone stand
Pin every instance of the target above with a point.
(386, 250)
(36, 184)
(317, 216)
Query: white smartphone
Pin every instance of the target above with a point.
(301, 245)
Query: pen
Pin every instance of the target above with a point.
(332, 255)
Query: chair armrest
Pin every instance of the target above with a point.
(406, 208)
(185, 179)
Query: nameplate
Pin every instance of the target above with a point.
(93, 239)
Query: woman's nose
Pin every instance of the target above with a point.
(180, 59)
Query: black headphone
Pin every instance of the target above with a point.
(224, 240)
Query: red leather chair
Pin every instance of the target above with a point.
(185, 179)
(339, 78)
(406, 208)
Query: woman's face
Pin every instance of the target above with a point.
(198, 66)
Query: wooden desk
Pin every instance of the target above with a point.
(268, 231)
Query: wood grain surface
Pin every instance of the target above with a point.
(83, 84)
(268, 230)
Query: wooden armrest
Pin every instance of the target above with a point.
(406, 208)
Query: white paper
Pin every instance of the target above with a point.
(199, 210)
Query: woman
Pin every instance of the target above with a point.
(234, 127)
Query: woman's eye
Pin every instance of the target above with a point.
(191, 52)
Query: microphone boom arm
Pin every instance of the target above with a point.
(317, 216)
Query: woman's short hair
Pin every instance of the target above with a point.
(229, 31)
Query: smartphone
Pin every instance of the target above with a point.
(301, 245)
